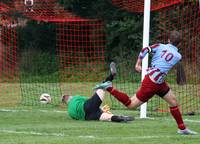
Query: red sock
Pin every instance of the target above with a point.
(178, 117)
(122, 97)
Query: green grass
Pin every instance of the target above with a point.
(35, 126)
(15, 94)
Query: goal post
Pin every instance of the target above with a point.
(146, 27)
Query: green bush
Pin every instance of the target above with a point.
(36, 62)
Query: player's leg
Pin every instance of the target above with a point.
(115, 118)
(113, 72)
(120, 96)
(96, 100)
(92, 105)
(108, 81)
(135, 102)
(146, 91)
(94, 112)
(131, 103)
(170, 98)
(174, 110)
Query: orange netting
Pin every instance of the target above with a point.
(41, 10)
(4, 8)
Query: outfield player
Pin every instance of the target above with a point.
(165, 56)
(84, 108)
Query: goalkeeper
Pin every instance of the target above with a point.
(83, 108)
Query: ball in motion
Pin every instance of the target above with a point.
(45, 98)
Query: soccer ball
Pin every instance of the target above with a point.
(45, 98)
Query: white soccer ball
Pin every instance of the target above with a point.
(45, 98)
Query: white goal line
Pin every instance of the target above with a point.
(86, 136)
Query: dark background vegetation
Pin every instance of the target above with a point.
(124, 30)
(123, 33)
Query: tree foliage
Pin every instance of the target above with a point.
(124, 29)
(37, 45)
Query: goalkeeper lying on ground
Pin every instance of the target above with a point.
(84, 108)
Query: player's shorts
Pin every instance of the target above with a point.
(92, 108)
(148, 89)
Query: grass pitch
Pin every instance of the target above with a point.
(54, 126)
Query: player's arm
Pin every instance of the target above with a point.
(142, 54)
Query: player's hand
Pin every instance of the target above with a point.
(106, 109)
(138, 68)
(138, 65)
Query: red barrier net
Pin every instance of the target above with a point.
(9, 86)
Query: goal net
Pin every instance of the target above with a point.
(47, 49)
(9, 80)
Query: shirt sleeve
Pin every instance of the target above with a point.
(148, 49)
(143, 52)
(154, 47)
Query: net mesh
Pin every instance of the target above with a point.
(9, 81)
(45, 10)
(138, 6)
(81, 48)
(71, 56)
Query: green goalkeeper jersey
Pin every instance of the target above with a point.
(75, 107)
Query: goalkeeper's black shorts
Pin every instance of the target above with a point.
(92, 108)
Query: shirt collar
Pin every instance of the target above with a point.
(172, 46)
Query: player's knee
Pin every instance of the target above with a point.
(131, 106)
(100, 93)
(173, 102)
(170, 99)
(135, 102)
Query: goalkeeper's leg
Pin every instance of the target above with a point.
(115, 118)
(95, 101)
(113, 72)
(92, 105)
